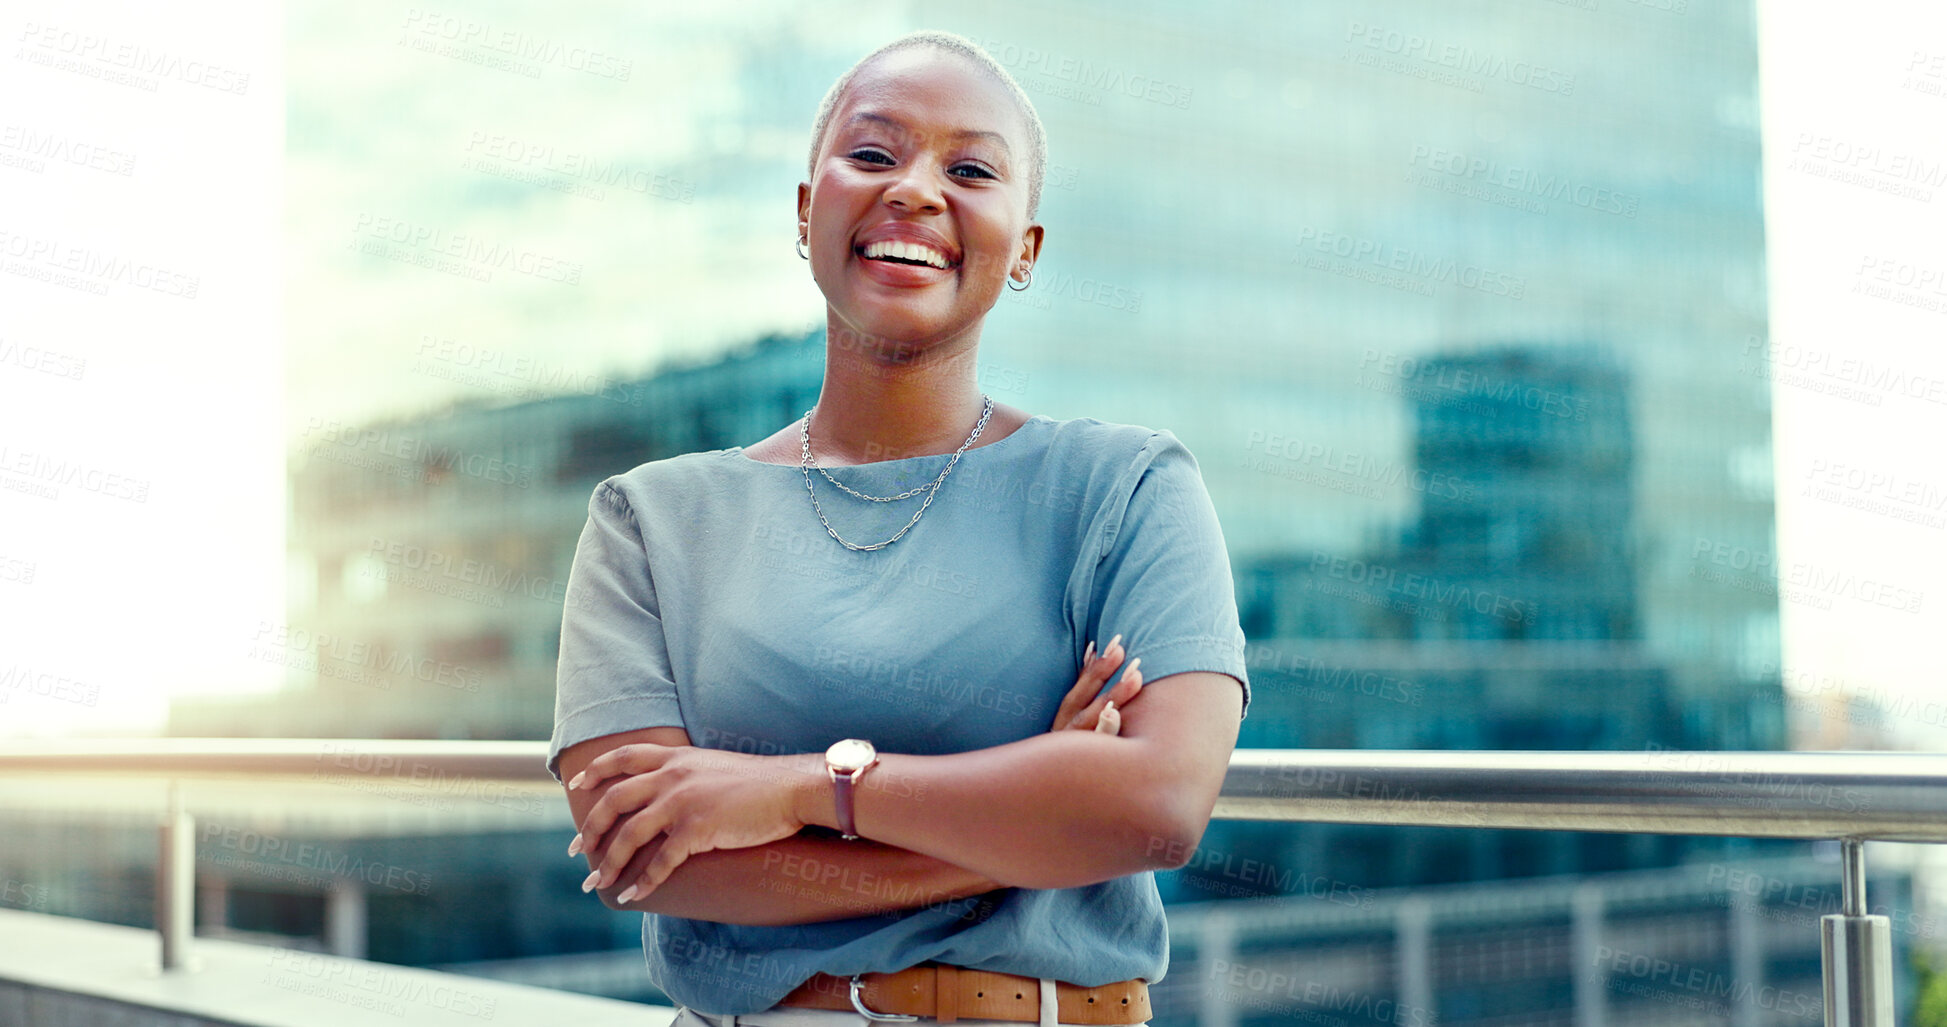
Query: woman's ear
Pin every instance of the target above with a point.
(804, 203)
(1031, 244)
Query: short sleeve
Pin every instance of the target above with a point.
(1162, 575)
(613, 674)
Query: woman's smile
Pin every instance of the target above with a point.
(905, 255)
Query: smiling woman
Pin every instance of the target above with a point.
(927, 770)
(918, 208)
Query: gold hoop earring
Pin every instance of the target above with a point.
(1024, 285)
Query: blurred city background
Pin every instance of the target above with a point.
(1463, 309)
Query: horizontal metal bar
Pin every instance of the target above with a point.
(1882, 796)
(403, 761)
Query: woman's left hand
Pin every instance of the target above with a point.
(701, 799)
(1090, 707)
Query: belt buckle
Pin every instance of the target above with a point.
(858, 1003)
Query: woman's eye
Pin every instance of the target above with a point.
(978, 171)
(874, 156)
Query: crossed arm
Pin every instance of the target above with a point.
(715, 835)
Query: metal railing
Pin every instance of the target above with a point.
(1848, 797)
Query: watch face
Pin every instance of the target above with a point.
(850, 754)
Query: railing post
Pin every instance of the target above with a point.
(1413, 960)
(175, 882)
(1747, 959)
(1856, 951)
(345, 915)
(1585, 933)
(1216, 948)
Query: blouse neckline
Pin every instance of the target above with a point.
(737, 452)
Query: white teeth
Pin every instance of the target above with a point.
(907, 251)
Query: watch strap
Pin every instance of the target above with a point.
(842, 801)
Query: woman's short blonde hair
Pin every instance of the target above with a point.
(964, 47)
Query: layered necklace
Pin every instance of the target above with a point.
(931, 489)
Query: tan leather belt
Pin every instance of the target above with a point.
(949, 993)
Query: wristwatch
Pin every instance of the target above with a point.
(846, 761)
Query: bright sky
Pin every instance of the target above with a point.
(1854, 98)
(149, 572)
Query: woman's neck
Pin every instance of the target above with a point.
(885, 402)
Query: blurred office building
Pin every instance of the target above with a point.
(1461, 309)
(430, 556)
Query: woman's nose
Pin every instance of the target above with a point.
(915, 188)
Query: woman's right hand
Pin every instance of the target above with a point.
(1083, 709)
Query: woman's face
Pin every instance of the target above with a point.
(917, 209)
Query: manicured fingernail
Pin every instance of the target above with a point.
(627, 894)
(588, 884)
(1110, 722)
(574, 847)
(1131, 672)
(1112, 643)
(1089, 653)
(575, 782)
